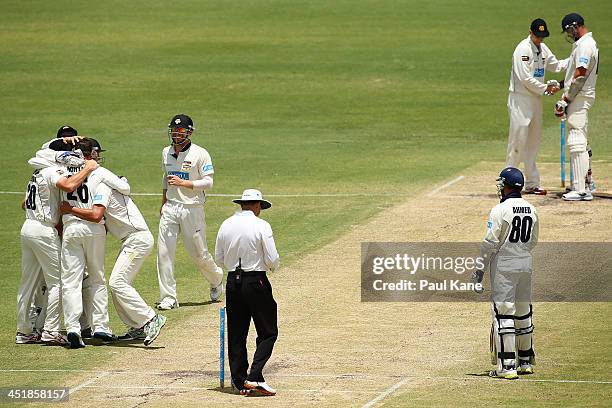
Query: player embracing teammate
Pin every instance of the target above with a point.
(94, 200)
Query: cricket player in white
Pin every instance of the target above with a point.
(188, 173)
(125, 222)
(578, 98)
(41, 246)
(83, 245)
(512, 233)
(530, 60)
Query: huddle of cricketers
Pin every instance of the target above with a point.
(530, 60)
(70, 204)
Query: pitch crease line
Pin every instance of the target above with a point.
(387, 392)
(443, 186)
(89, 382)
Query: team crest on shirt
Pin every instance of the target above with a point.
(186, 166)
(525, 58)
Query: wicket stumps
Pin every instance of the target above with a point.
(563, 153)
(571, 173)
(222, 347)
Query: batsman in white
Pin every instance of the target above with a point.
(125, 222)
(530, 60)
(512, 233)
(83, 246)
(41, 246)
(578, 98)
(187, 174)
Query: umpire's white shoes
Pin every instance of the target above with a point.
(30, 338)
(75, 340)
(55, 338)
(576, 196)
(260, 388)
(167, 304)
(216, 292)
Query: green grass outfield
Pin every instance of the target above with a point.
(375, 97)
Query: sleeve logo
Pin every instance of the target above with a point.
(525, 58)
(207, 167)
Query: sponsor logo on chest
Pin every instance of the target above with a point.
(186, 166)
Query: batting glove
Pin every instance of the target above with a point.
(560, 108)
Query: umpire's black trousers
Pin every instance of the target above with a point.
(249, 295)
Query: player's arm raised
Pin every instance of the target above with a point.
(69, 184)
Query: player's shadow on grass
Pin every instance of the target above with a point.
(483, 374)
(122, 343)
(192, 304)
(231, 391)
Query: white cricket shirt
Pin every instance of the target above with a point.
(584, 54)
(246, 237)
(512, 232)
(83, 196)
(193, 163)
(122, 215)
(43, 197)
(529, 65)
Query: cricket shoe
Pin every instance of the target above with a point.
(167, 304)
(53, 338)
(134, 334)
(105, 337)
(216, 292)
(535, 190)
(576, 196)
(153, 328)
(30, 338)
(260, 388)
(75, 340)
(525, 368)
(86, 333)
(508, 374)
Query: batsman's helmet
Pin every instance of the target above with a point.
(512, 177)
(571, 20)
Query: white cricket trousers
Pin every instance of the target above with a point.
(83, 245)
(577, 125)
(525, 135)
(189, 220)
(512, 329)
(40, 259)
(130, 306)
